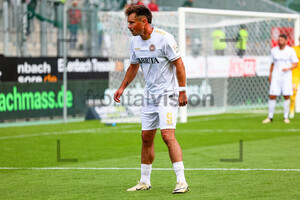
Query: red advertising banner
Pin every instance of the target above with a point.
(288, 31)
(242, 67)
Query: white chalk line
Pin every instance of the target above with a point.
(81, 131)
(102, 130)
(121, 130)
(156, 169)
(222, 118)
(241, 130)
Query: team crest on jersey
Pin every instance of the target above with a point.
(152, 47)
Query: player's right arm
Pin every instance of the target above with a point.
(272, 65)
(130, 75)
(271, 70)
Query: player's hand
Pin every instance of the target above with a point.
(118, 94)
(286, 69)
(182, 98)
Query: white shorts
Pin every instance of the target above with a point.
(281, 86)
(161, 116)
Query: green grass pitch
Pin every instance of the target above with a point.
(29, 168)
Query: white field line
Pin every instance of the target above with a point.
(83, 131)
(238, 130)
(101, 131)
(157, 169)
(223, 118)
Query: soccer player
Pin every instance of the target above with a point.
(284, 60)
(157, 53)
(296, 81)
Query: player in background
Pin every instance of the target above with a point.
(284, 60)
(296, 81)
(158, 55)
(242, 39)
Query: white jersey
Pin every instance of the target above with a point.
(283, 59)
(155, 56)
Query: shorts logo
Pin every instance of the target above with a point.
(152, 47)
(169, 118)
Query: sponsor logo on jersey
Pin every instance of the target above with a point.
(150, 60)
(152, 47)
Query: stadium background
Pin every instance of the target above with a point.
(31, 66)
(32, 37)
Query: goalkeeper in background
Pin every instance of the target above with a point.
(296, 81)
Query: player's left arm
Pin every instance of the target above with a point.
(181, 77)
(294, 65)
(171, 51)
(294, 60)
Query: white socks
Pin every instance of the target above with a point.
(179, 171)
(286, 108)
(145, 173)
(272, 104)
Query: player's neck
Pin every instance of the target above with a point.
(282, 48)
(147, 33)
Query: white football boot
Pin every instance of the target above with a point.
(181, 187)
(140, 186)
(266, 121)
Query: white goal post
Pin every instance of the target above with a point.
(183, 24)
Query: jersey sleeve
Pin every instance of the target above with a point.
(171, 49)
(272, 56)
(294, 56)
(133, 59)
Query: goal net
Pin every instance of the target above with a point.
(226, 54)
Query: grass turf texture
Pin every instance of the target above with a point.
(204, 140)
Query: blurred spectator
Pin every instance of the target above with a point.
(219, 43)
(74, 19)
(188, 3)
(140, 2)
(241, 44)
(153, 6)
(30, 14)
(123, 4)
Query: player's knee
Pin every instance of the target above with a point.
(168, 138)
(147, 141)
(272, 97)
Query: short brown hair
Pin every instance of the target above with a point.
(283, 36)
(139, 10)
